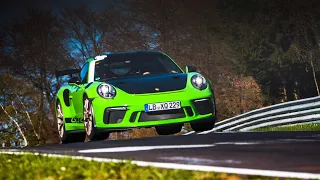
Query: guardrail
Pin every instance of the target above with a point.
(299, 111)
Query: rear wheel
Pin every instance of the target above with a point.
(65, 136)
(168, 129)
(204, 124)
(92, 132)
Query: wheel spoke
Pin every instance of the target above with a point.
(61, 126)
(59, 112)
(85, 108)
(87, 115)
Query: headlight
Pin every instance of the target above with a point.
(106, 91)
(199, 82)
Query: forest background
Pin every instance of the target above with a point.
(256, 53)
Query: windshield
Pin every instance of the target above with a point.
(127, 65)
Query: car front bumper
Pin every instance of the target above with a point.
(128, 112)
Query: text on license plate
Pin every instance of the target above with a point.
(162, 106)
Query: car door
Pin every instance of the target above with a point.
(78, 91)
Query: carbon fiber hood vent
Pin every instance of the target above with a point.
(151, 83)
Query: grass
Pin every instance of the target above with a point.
(298, 127)
(51, 168)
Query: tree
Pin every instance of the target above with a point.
(306, 45)
(35, 50)
(86, 32)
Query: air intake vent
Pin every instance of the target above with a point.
(113, 116)
(204, 106)
(133, 117)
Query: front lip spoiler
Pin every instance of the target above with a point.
(115, 129)
(109, 130)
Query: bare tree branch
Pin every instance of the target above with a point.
(17, 125)
(29, 118)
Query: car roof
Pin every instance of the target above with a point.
(122, 53)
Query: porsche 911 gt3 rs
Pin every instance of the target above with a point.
(121, 91)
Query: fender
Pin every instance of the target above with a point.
(63, 97)
(91, 90)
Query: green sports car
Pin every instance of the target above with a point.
(121, 91)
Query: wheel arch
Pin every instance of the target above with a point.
(91, 90)
(67, 107)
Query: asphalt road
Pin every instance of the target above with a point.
(282, 151)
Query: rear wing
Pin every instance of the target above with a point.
(69, 72)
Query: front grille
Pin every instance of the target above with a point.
(204, 106)
(113, 116)
(161, 115)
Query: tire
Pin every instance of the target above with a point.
(168, 129)
(92, 132)
(204, 124)
(65, 136)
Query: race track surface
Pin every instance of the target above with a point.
(282, 151)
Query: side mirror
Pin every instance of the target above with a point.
(74, 80)
(190, 69)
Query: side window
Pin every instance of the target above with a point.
(84, 74)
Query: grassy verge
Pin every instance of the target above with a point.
(49, 168)
(298, 127)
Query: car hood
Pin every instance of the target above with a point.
(151, 83)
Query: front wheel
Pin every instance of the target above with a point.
(92, 132)
(65, 136)
(203, 124)
(168, 129)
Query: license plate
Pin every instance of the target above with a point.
(162, 106)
